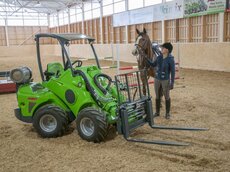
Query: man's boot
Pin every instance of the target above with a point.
(167, 105)
(158, 104)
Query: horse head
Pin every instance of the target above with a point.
(143, 49)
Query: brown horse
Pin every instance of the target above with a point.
(143, 50)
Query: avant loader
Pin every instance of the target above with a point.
(69, 92)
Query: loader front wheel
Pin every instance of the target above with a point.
(50, 121)
(92, 125)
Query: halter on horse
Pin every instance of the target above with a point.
(143, 49)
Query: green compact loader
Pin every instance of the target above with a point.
(71, 92)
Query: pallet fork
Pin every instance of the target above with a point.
(136, 112)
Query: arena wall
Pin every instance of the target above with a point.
(205, 56)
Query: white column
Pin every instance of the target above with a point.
(58, 29)
(6, 32)
(126, 27)
(101, 15)
(221, 27)
(6, 26)
(163, 27)
(163, 31)
(68, 20)
(39, 24)
(83, 18)
(48, 20)
(23, 19)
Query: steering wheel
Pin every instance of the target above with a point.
(48, 75)
(78, 62)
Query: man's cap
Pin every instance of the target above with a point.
(168, 46)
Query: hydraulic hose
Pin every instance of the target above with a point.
(104, 90)
(95, 96)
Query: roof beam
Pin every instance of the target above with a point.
(53, 7)
(19, 8)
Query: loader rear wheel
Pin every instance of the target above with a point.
(92, 125)
(50, 121)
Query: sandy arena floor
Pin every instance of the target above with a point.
(204, 102)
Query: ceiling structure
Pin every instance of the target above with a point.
(43, 6)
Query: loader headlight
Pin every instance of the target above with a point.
(21, 75)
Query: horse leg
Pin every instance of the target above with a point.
(144, 89)
(143, 85)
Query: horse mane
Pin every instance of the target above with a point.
(149, 50)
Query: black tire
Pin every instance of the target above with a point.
(50, 121)
(92, 125)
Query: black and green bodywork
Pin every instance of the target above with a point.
(68, 87)
(70, 91)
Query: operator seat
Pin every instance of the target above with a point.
(53, 70)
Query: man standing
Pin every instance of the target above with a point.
(165, 74)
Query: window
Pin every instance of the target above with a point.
(107, 10)
(73, 19)
(24, 16)
(15, 22)
(87, 6)
(88, 15)
(60, 18)
(107, 2)
(72, 11)
(79, 17)
(42, 22)
(117, 1)
(30, 22)
(53, 20)
(96, 13)
(65, 17)
(2, 22)
(119, 7)
(133, 4)
(95, 5)
(152, 2)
